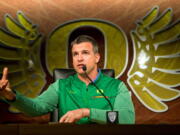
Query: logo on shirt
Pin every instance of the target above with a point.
(71, 92)
(98, 91)
(100, 95)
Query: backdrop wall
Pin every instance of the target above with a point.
(112, 22)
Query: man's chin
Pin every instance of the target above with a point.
(79, 71)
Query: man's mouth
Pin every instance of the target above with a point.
(80, 65)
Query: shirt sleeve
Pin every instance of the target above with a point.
(123, 104)
(40, 105)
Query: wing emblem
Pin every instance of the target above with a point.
(20, 44)
(155, 71)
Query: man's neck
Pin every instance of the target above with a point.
(92, 75)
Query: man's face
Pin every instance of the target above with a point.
(83, 54)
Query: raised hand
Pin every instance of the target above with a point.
(5, 89)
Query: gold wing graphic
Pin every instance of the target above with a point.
(20, 45)
(155, 71)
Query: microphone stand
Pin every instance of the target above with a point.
(112, 116)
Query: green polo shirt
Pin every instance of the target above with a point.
(71, 93)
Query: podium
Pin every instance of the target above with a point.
(93, 129)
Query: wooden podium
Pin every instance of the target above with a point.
(94, 129)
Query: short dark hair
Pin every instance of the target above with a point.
(85, 38)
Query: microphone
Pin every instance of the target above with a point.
(112, 116)
(84, 68)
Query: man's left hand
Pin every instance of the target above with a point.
(75, 115)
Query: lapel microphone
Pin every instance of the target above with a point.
(112, 116)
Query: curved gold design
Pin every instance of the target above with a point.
(156, 64)
(20, 52)
(116, 45)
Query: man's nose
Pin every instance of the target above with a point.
(80, 57)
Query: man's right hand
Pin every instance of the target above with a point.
(5, 90)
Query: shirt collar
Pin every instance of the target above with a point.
(97, 77)
(95, 80)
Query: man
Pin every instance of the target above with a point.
(77, 98)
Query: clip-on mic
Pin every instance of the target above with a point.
(112, 116)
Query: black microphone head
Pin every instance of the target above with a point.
(84, 68)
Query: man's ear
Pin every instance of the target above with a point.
(97, 55)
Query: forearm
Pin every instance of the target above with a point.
(98, 115)
(27, 105)
(125, 116)
(40, 105)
